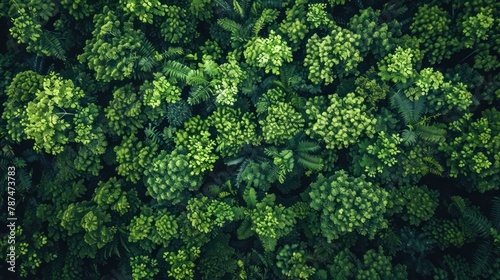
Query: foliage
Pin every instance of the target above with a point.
(169, 177)
(342, 123)
(335, 55)
(234, 130)
(268, 53)
(109, 50)
(473, 151)
(348, 204)
(432, 26)
(292, 263)
(250, 139)
(420, 203)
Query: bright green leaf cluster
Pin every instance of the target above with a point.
(205, 216)
(234, 130)
(335, 55)
(169, 177)
(143, 267)
(348, 204)
(343, 121)
(268, 53)
(291, 260)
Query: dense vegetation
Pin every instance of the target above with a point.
(251, 139)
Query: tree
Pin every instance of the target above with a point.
(115, 48)
(347, 204)
(341, 122)
(335, 55)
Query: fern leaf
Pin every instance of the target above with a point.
(245, 230)
(238, 8)
(495, 213)
(481, 261)
(418, 108)
(170, 52)
(196, 77)
(176, 69)
(198, 94)
(431, 133)
(404, 107)
(268, 15)
(434, 166)
(52, 46)
(310, 161)
(229, 25)
(307, 147)
(250, 197)
(269, 243)
(409, 137)
(477, 222)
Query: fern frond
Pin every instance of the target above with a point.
(242, 167)
(269, 243)
(409, 137)
(307, 146)
(210, 67)
(310, 161)
(418, 108)
(238, 9)
(245, 230)
(268, 15)
(495, 213)
(176, 69)
(481, 261)
(272, 3)
(431, 133)
(153, 135)
(459, 203)
(477, 223)
(250, 197)
(170, 52)
(198, 94)
(229, 25)
(404, 107)
(434, 166)
(51, 45)
(196, 77)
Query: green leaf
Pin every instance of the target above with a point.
(245, 230)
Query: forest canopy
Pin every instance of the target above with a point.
(250, 139)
